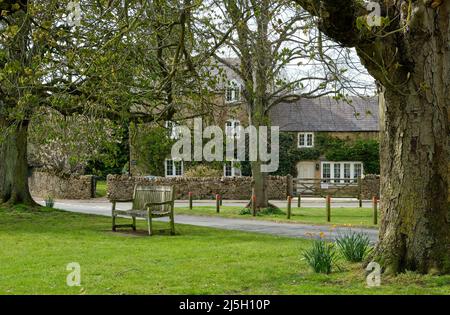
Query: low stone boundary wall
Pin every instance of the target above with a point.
(44, 184)
(237, 188)
(370, 186)
(231, 188)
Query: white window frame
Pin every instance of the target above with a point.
(304, 136)
(173, 171)
(234, 170)
(173, 129)
(232, 92)
(332, 180)
(232, 131)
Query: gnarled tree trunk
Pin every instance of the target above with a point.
(14, 165)
(415, 227)
(410, 57)
(415, 230)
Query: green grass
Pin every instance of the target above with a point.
(37, 245)
(101, 188)
(358, 217)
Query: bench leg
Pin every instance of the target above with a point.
(149, 223)
(134, 223)
(113, 222)
(172, 225)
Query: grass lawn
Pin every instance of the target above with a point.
(37, 245)
(339, 216)
(100, 190)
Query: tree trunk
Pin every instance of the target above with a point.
(410, 58)
(415, 227)
(259, 183)
(14, 165)
(415, 230)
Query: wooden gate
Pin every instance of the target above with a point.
(322, 187)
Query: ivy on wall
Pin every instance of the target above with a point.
(332, 149)
(290, 154)
(154, 146)
(365, 150)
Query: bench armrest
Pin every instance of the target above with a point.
(121, 200)
(157, 203)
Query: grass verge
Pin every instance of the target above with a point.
(36, 246)
(357, 217)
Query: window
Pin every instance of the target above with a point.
(347, 172)
(232, 92)
(357, 172)
(172, 130)
(305, 139)
(174, 168)
(232, 128)
(341, 172)
(326, 172)
(337, 172)
(230, 169)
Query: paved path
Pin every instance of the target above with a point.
(103, 207)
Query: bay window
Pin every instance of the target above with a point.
(341, 172)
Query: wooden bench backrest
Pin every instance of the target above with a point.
(144, 194)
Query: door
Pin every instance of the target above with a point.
(306, 172)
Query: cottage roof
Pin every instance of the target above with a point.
(327, 114)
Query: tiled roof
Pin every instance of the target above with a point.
(327, 114)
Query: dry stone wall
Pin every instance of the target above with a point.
(237, 188)
(44, 184)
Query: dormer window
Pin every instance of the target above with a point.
(305, 139)
(232, 92)
(172, 130)
(232, 128)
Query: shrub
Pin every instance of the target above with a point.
(271, 211)
(245, 211)
(354, 246)
(201, 170)
(321, 257)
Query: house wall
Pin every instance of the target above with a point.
(364, 135)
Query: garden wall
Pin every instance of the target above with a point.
(237, 188)
(231, 188)
(44, 184)
(370, 186)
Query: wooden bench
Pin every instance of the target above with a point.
(148, 202)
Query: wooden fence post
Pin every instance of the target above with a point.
(375, 210)
(289, 200)
(299, 201)
(289, 190)
(217, 203)
(328, 206)
(360, 191)
(190, 200)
